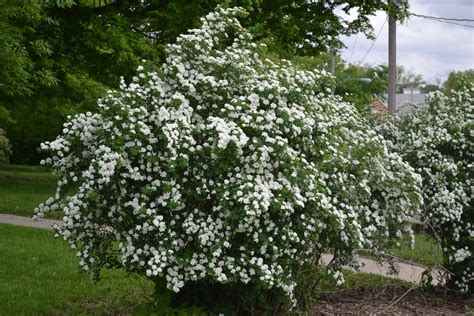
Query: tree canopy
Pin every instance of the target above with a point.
(457, 80)
(59, 56)
(54, 65)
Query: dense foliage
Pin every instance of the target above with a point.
(53, 65)
(226, 168)
(406, 78)
(437, 139)
(457, 80)
(299, 26)
(351, 86)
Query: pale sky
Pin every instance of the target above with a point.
(426, 47)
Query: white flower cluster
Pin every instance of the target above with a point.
(226, 168)
(438, 141)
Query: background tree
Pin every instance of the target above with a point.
(58, 57)
(458, 79)
(301, 27)
(347, 82)
(360, 92)
(407, 79)
(17, 73)
(427, 88)
(56, 65)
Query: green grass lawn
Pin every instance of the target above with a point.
(22, 188)
(426, 251)
(20, 197)
(43, 278)
(361, 280)
(39, 275)
(40, 173)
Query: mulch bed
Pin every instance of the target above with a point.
(393, 301)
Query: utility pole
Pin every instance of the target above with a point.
(333, 69)
(392, 61)
(333, 63)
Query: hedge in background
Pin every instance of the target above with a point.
(437, 139)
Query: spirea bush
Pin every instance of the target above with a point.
(227, 169)
(437, 139)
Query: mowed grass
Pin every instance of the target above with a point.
(22, 188)
(39, 275)
(362, 280)
(425, 251)
(39, 173)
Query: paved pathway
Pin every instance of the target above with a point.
(28, 222)
(408, 272)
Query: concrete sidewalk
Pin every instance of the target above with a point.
(408, 272)
(28, 221)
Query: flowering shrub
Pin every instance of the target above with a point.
(5, 147)
(437, 140)
(226, 168)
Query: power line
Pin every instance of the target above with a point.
(353, 47)
(373, 43)
(445, 20)
(441, 18)
(454, 23)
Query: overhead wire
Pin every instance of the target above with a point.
(454, 23)
(429, 17)
(373, 42)
(441, 18)
(353, 47)
(445, 20)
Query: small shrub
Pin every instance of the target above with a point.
(229, 170)
(5, 148)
